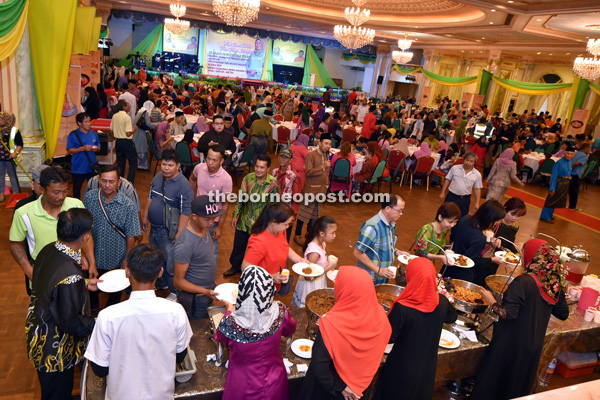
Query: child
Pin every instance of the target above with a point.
(448, 161)
(366, 172)
(313, 140)
(320, 232)
(143, 331)
(296, 117)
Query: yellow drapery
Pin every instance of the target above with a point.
(10, 41)
(84, 26)
(96, 34)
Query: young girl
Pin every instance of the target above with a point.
(322, 231)
(446, 218)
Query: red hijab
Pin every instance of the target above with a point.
(355, 330)
(421, 290)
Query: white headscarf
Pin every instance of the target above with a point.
(148, 105)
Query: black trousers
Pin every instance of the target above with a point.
(125, 149)
(463, 202)
(573, 191)
(240, 242)
(57, 385)
(78, 180)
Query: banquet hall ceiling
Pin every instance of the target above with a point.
(514, 27)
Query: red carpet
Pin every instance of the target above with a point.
(585, 220)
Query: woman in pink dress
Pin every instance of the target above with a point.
(299, 152)
(252, 331)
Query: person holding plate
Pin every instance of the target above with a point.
(350, 343)
(417, 317)
(446, 218)
(252, 330)
(510, 365)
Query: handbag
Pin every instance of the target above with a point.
(95, 166)
(171, 215)
(141, 122)
(112, 225)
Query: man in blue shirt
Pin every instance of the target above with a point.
(559, 186)
(578, 162)
(82, 144)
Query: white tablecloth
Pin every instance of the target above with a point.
(288, 124)
(532, 160)
(436, 156)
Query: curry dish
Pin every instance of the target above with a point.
(386, 298)
(497, 286)
(468, 295)
(320, 304)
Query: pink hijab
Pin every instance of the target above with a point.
(423, 151)
(201, 125)
(442, 145)
(506, 159)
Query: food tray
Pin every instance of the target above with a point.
(190, 367)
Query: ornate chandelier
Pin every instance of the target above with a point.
(356, 16)
(177, 10)
(402, 57)
(354, 37)
(589, 68)
(404, 44)
(236, 12)
(177, 26)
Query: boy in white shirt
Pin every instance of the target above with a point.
(142, 339)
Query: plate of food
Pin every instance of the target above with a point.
(308, 270)
(227, 292)
(461, 261)
(332, 274)
(113, 281)
(449, 340)
(404, 259)
(302, 347)
(508, 257)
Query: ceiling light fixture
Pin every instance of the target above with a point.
(177, 10)
(402, 57)
(177, 26)
(595, 27)
(493, 10)
(354, 37)
(236, 12)
(356, 16)
(404, 44)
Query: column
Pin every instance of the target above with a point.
(428, 55)
(373, 87)
(383, 89)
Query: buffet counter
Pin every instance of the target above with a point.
(574, 334)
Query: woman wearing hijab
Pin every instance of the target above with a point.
(416, 317)
(378, 156)
(480, 148)
(91, 103)
(304, 121)
(503, 171)
(350, 343)
(494, 148)
(139, 137)
(200, 125)
(319, 117)
(162, 139)
(252, 330)
(9, 133)
(299, 152)
(402, 146)
(423, 151)
(442, 150)
(510, 364)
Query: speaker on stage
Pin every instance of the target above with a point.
(380, 80)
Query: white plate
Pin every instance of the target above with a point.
(225, 292)
(404, 259)
(302, 342)
(502, 254)
(470, 263)
(317, 270)
(332, 274)
(388, 348)
(451, 341)
(114, 281)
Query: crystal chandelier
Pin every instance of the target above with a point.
(356, 16)
(354, 37)
(177, 26)
(177, 10)
(402, 57)
(236, 12)
(404, 44)
(589, 68)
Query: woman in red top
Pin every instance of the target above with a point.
(268, 246)
(379, 155)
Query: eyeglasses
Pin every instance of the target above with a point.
(397, 210)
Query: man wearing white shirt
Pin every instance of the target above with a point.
(361, 111)
(129, 98)
(142, 339)
(461, 181)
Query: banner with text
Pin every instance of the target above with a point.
(578, 121)
(234, 56)
(465, 103)
(425, 97)
(71, 107)
(289, 53)
(90, 67)
(478, 100)
(186, 43)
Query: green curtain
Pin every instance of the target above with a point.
(578, 94)
(10, 13)
(483, 83)
(104, 32)
(362, 59)
(449, 80)
(531, 88)
(147, 47)
(405, 71)
(267, 74)
(313, 65)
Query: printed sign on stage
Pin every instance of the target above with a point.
(578, 121)
(235, 56)
(186, 43)
(466, 101)
(289, 53)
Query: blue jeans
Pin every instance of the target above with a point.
(8, 167)
(211, 230)
(159, 236)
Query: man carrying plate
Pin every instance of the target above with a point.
(195, 262)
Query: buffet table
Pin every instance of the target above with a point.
(574, 334)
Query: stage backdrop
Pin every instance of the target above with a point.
(289, 53)
(186, 43)
(234, 56)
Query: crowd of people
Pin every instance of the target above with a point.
(63, 245)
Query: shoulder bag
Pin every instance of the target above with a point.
(112, 224)
(95, 166)
(171, 215)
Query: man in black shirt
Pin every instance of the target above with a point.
(217, 135)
